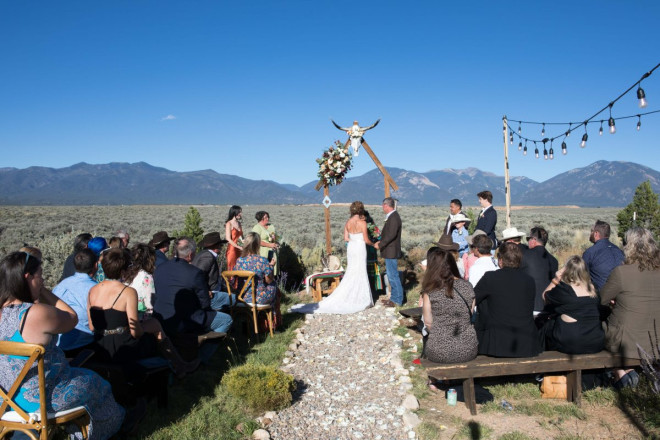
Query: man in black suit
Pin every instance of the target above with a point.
(161, 242)
(183, 303)
(488, 216)
(455, 208)
(538, 263)
(207, 262)
(390, 249)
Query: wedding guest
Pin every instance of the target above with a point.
(373, 271)
(514, 236)
(632, 292)
(124, 236)
(505, 303)
(266, 231)
(115, 243)
(460, 233)
(140, 276)
(266, 291)
(207, 262)
(538, 263)
(233, 234)
(98, 245)
(485, 262)
(455, 208)
(572, 302)
(446, 309)
(447, 244)
(79, 243)
(603, 256)
(161, 242)
(33, 314)
(469, 257)
(120, 336)
(488, 216)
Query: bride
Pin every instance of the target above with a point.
(353, 293)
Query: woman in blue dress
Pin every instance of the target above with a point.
(23, 319)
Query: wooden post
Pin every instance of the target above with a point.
(328, 236)
(507, 183)
(388, 179)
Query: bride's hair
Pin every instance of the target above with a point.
(440, 272)
(357, 208)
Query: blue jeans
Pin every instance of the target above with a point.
(222, 321)
(391, 267)
(222, 300)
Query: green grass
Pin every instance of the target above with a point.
(515, 435)
(474, 430)
(428, 431)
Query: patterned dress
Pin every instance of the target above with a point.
(266, 293)
(452, 338)
(67, 387)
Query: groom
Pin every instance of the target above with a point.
(390, 249)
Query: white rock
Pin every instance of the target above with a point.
(261, 434)
(405, 379)
(411, 434)
(270, 414)
(410, 420)
(410, 402)
(293, 346)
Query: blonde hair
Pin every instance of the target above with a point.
(641, 249)
(575, 272)
(33, 251)
(251, 244)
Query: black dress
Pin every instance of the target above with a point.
(505, 302)
(581, 337)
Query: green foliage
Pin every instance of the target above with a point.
(473, 217)
(192, 226)
(645, 205)
(262, 387)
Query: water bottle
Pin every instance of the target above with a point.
(506, 405)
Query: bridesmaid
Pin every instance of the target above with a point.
(233, 232)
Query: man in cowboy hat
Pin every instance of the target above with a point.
(161, 242)
(207, 262)
(538, 263)
(514, 236)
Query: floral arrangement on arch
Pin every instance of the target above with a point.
(334, 164)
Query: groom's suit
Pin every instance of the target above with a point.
(390, 250)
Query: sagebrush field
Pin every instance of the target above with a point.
(53, 228)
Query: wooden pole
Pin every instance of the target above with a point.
(328, 236)
(388, 179)
(507, 183)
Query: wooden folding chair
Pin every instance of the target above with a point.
(246, 283)
(13, 418)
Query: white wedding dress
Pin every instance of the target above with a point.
(353, 293)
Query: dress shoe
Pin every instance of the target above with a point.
(388, 303)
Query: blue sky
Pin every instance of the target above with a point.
(249, 87)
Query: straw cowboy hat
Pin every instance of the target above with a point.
(160, 238)
(511, 233)
(461, 218)
(471, 237)
(446, 243)
(211, 240)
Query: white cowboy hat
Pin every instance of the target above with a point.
(471, 237)
(511, 233)
(460, 218)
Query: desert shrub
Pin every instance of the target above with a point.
(192, 226)
(262, 387)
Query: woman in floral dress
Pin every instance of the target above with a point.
(266, 290)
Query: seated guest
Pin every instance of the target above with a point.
(251, 260)
(571, 298)
(78, 244)
(207, 262)
(98, 245)
(460, 233)
(182, 302)
(538, 263)
(447, 244)
(115, 242)
(446, 310)
(113, 317)
(139, 276)
(73, 291)
(505, 302)
(603, 256)
(33, 314)
(161, 242)
(124, 236)
(485, 262)
(632, 292)
(514, 236)
(469, 257)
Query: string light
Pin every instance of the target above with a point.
(545, 152)
(639, 122)
(570, 128)
(519, 128)
(520, 145)
(642, 98)
(543, 130)
(536, 150)
(563, 148)
(525, 151)
(511, 137)
(585, 136)
(610, 121)
(552, 152)
(600, 132)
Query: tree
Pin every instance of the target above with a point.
(644, 208)
(192, 226)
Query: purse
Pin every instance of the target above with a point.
(554, 387)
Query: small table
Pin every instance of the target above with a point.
(317, 287)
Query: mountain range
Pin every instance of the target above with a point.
(602, 183)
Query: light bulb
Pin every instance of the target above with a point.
(570, 127)
(519, 146)
(545, 154)
(563, 148)
(552, 153)
(519, 128)
(610, 122)
(642, 98)
(525, 151)
(639, 122)
(543, 130)
(536, 153)
(600, 131)
(584, 140)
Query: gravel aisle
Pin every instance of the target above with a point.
(351, 381)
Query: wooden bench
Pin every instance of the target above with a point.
(546, 362)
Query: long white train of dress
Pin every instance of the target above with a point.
(353, 293)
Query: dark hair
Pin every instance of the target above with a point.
(486, 195)
(13, 284)
(260, 215)
(115, 262)
(483, 244)
(539, 234)
(440, 272)
(143, 257)
(81, 241)
(509, 255)
(603, 228)
(456, 202)
(84, 261)
(389, 201)
(357, 207)
(368, 218)
(233, 212)
(115, 242)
